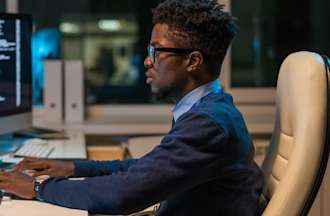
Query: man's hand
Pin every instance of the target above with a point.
(46, 167)
(17, 183)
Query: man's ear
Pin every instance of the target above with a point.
(195, 60)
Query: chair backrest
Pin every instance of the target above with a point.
(299, 149)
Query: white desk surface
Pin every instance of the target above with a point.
(36, 208)
(72, 148)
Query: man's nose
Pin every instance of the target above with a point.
(147, 62)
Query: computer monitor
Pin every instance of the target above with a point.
(15, 73)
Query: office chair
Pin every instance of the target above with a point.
(299, 149)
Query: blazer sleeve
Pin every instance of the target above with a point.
(85, 168)
(190, 154)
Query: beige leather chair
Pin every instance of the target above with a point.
(298, 154)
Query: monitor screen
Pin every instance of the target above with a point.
(15, 70)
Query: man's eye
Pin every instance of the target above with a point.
(157, 53)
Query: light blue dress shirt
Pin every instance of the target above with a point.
(192, 98)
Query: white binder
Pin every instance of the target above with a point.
(74, 92)
(53, 91)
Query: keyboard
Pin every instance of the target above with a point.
(34, 148)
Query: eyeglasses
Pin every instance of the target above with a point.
(152, 51)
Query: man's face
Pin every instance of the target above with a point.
(167, 74)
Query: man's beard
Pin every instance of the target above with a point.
(164, 95)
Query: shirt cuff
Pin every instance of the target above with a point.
(82, 168)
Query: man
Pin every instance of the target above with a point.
(203, 166)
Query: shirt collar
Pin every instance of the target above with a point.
(194, 97)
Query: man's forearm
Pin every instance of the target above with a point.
(103, 195)
(85, 168)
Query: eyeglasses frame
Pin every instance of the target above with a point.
(152, 51)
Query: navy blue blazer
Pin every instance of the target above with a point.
(203, 166)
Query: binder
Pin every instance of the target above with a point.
(74, 92)
(53, 91)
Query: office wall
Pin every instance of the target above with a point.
(272, 29)
(2, 6)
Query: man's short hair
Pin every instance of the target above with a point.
(198, 24)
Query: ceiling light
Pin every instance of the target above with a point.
(69, 27)
(109, 25)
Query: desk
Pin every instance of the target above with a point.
(100, 121)
(36, 208)
(72, 148)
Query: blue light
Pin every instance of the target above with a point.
(46, 44)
